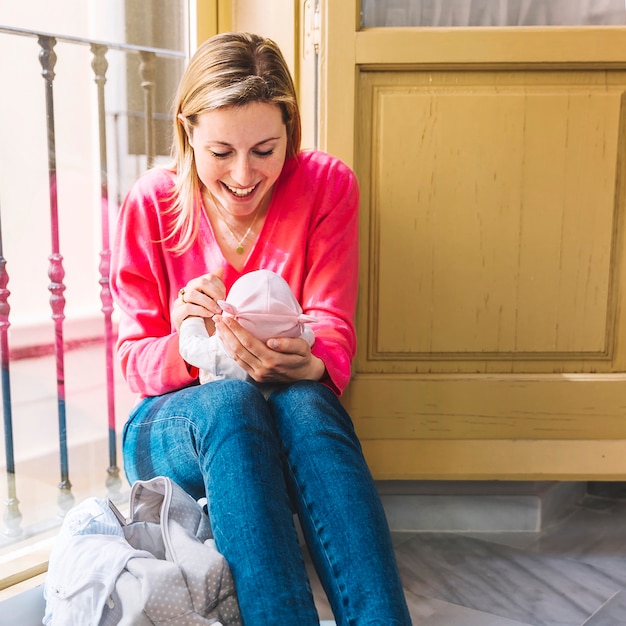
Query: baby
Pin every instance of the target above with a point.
(263, 303)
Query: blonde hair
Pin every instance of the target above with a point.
(229, 69)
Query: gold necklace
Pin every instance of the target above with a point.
(239, 249)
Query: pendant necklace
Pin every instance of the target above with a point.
(239, 249)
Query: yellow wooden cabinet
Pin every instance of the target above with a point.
(493, 282)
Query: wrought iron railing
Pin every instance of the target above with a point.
(147, 78)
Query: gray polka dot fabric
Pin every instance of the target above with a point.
(166, 568)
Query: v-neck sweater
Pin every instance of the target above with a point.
(309, 237)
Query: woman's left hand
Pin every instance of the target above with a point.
(281, 360)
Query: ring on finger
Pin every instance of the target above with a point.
(181, 293)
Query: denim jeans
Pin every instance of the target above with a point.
(258, 461)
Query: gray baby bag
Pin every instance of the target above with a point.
(159, 567)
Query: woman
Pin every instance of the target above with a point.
(240, 196)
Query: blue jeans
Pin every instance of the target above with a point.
(258, 461)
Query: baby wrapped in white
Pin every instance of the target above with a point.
(263, 303)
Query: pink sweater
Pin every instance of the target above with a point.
(309, 237)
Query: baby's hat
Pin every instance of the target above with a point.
(263, 303)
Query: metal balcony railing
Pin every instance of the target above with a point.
(147, 78)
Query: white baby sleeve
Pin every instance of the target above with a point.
(206, 352)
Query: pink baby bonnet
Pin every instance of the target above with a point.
(263, 303)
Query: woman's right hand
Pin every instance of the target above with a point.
(199, 298)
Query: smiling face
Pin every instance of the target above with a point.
(239, 153)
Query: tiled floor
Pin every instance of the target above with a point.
(570, 573)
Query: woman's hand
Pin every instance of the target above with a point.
(282, 360)
(199, 298)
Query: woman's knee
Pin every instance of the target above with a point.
(228, 391)
(308, 392)
(194, 417)
(308, 407)
(217, 401)
(232, 410)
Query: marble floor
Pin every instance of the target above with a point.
(572, 573)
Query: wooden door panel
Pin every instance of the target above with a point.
(497, 459)
(491, 209)
(489, 407)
